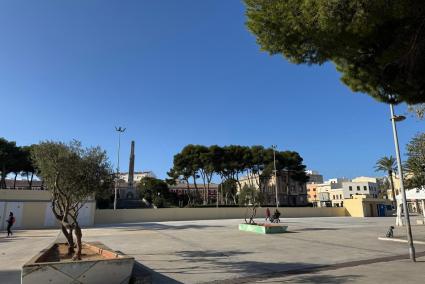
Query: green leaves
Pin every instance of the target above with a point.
(14, 159)
(377, 45)
(386, 164)
(73, 172)
(230, 162)
(155, 191)
(415, 164)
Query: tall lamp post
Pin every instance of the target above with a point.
(394, 119)
(274, 147)
(120, 130)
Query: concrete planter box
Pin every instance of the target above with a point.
(110, 267)
(261, 229)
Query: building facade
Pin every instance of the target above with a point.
(181, 188)
(289, 191)
(370, 189)
(314, 177)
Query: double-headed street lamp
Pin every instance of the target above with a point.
(394, 119)
(120, 130)
(274, 147)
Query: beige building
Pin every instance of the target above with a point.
(337, 197)
(182, 188)
(334, 191)
(320, 195)
(364, 206)
(290, 192)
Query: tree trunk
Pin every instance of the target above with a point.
(196, 188)
(69, 239)
(32, 176)
(14, 181)
(78, 236)
(390, 173)
(3, 177)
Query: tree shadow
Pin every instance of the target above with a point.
(209, 253)
(10, 276)
(249, 271)
(317, 279)
(19, 238)
(156, 226)
(317, 229)
(155, 277)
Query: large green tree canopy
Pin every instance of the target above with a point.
(377, 45)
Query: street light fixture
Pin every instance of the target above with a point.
(120, 130)
(274, 147)
(394, 119)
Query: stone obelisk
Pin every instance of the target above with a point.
(131, 167)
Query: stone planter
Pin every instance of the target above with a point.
(263, 228)
(103, 265)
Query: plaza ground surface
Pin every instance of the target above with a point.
(316, 250)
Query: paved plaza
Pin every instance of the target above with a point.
(316, 250)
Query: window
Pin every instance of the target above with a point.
(351, 195)
(350, 188)
(364, 188)
(314, 189)
(358, 188)
(340, 196)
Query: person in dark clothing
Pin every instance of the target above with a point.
(267, 214)
(10, 221)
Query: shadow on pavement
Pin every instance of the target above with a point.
(317, 229)
(156, 226)
(156, 277)
(251, 271)
(321, 279)
(10, 276)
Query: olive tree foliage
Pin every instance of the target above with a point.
(73, 175)
(415, 164)
(378, 46)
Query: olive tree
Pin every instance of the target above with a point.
(73, 175)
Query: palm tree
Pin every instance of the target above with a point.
(388, 165)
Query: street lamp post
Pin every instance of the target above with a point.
(394, 119)
(120, 130)
(274, 147)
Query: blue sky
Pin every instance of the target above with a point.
(174, 73)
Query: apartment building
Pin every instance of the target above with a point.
(290, 192)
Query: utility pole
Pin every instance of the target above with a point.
(394, 119)
(120, 130)
(274, 147)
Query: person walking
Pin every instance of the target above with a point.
(10, 221)
(267, 214)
